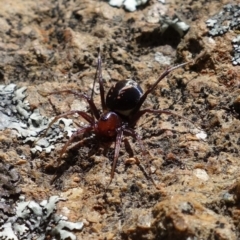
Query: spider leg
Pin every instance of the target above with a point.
(162, 76)
(101, 88)
(116, 152)
(140, 113)
(136, 136)
(81, 113)
(74, 135)
(92, 105)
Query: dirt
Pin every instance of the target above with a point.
(46, 45)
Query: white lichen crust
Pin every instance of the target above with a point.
(227, 19)
(15, 113)
(38, 221)
(236, 47)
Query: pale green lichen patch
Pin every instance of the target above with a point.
(15, 113)
(34, 220)
(227, 19)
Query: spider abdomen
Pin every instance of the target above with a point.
(107, 125)
(124, 96)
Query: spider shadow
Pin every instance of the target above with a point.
(81, 155)
(78, 154)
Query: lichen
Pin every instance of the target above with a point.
(236, 47)
(15, 113)
(227, 19)
(34, 220)
(9, 181)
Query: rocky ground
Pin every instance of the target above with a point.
(50, 45)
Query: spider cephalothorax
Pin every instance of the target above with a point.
(119, 114)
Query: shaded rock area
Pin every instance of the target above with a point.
(53, 45)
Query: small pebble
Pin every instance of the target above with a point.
(201, 174)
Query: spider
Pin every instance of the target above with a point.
(121, 110)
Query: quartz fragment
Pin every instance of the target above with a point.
(130, 5)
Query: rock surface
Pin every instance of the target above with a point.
(52, 45)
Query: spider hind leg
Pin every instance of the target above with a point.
(76, 134)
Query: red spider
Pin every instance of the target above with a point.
(119, 115)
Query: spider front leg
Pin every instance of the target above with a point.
(150, 90)
(92, 105)
(100, 81)
(81, 113)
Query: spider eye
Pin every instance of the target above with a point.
(124, 96)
